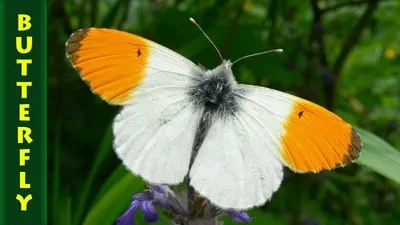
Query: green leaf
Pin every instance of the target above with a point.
(68, 216)
(112, 15)
(56, 175)
(104, 150)
(379, 155)
(115, 200)
(119, 173)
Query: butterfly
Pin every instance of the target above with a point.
(180, 120)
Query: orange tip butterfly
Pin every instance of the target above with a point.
(179, 120)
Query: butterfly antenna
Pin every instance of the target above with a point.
(256, 54)
(195, 23)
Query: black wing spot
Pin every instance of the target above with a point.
(300, 114)
(138, 53)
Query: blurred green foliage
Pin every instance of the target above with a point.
(341, 54)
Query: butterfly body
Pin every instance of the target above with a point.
(179, 120)
(214, 91)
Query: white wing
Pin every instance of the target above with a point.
(154, 134)
(234, 168)
(154, 138)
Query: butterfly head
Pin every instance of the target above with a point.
(223, 73)
(227, 64)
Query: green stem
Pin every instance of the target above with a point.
(103, 152)
(56, 172)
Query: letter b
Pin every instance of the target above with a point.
(23, 22)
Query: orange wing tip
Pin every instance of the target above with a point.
(353, 153)
(354, 150)
(73, 44)
(113, 63)
(317, 140)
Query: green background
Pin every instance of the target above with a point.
(35, 168)
(2, 118)
(341, 54)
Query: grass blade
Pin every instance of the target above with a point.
(114, 201)
(379, 155)
(104, 150)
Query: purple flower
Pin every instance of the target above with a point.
(156, 195)
(239, 216)
(176, 204)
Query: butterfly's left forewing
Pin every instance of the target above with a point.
(117, 65)
(154, 132)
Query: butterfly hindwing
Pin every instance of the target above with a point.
(234, 168)
(154, 139)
